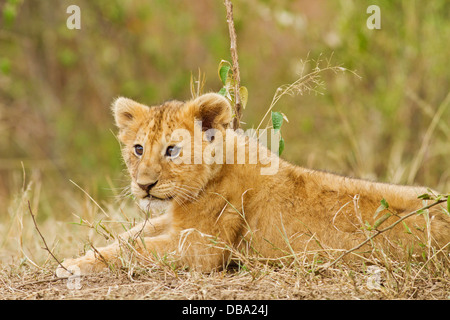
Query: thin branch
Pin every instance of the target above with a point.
(41, 281)
(43, 239)
(234, 57)
(96, 252)
(378, 232)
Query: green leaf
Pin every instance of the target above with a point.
(408, 230)
(384, 205)
(281, 146)
(420, 211)
(224, 69)
(243, 93)
(424, 196)
(224, 73)
(381, 220)
(277, 120)
(223, 92)
(448, 204)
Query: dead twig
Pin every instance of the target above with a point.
(234, 57)
(40, 281)
(43, 239)
(97, 253)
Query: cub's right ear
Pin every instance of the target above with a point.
(127, 111)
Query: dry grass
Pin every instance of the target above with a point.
(27, 270)
(342, 282)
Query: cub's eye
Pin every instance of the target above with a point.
(173, 151)
(138, 150)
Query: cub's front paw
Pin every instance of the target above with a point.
(80, 266)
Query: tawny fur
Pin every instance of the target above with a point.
(212, 207)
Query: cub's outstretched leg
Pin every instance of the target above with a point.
(97, 261)
(149, 228)
(186, 247)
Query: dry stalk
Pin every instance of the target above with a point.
(99, 255)
(306, 83)
(234, 57)
(418, 160)
(43, 239)
(89, 196)
(197, 84)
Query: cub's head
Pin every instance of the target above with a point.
(163, 146)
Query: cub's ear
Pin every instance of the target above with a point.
(213, 110)
(127, 111)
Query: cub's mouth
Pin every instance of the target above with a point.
(150, 197)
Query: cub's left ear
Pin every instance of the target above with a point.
(213, 110)
(127, 111)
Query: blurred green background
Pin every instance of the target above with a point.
(56, 86)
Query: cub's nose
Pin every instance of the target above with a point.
(147, 187)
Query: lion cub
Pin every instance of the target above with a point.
(219, 199)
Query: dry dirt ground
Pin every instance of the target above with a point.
(263, 283)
